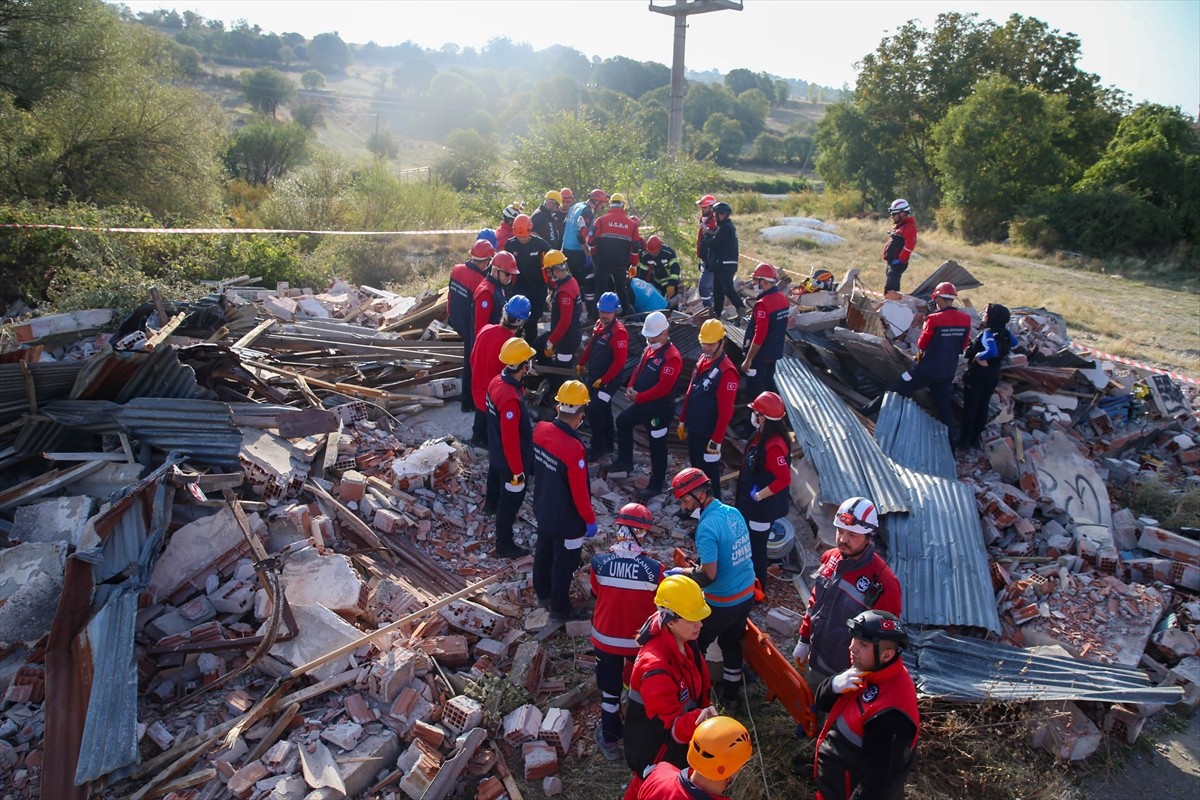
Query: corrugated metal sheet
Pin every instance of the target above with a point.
(959, 668)
(948, 271)
(203, 430)
(913, 439)
(122, 376)
(110, 730)
(848, 460)
(50, 381)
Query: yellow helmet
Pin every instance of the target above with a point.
(553, 258)
(572, 393)
(616, 199)
(712, 331)
(554, 195)
(516, 351)
(683, 596)
(719, 748)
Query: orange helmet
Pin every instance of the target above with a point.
(522, 225)
(708, 201)
(567, 195)
(598, 196)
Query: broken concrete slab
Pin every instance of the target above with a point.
(1077, 488)
(313, 579)
(61, 519)
(19, 565)
(28, 613)
(195, 551)
(1066, 732)
(321, 631)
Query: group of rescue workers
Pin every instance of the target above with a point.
(651, 624)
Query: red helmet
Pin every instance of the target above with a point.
(708, 201)
(770, 405)
(635, 515)
(598, 196)
(567, 195)
(505, 262)
(945, 289)
(766, 272)
(653, 245)
(482, 249)
(689, 480)
(522, 225)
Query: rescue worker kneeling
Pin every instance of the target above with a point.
(670, 687)
(869, 740)
(719, 749)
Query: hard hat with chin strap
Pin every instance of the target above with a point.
(609, 303)
(712, 331)
(516, 351)
(857, 515)
(683, 597)
(553, 258)
(483, 249)
(770, 405)
(572, 393)
(655, 324)
(554, 195)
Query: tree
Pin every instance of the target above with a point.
(267, 89)
(607, 155)
(726, 137)
(46, 44)
(383, 144)
(312, 80)
(751, 111)
(413, 76)
(263, 151)
(630, 77)
(767, 149)
(997, 151)
(740, 80)
(309, 115)
(468, 160)
(329, 53)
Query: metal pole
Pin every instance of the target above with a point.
(675, 126)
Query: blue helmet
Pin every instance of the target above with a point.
(609, 303)
(517, 307)
(489, 234)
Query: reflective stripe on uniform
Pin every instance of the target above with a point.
(573, 544)
(759, 526)
(613, 641)
(658, 433)
(844, 729)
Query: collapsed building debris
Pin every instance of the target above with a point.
(234, 565)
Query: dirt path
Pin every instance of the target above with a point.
(1170, 770)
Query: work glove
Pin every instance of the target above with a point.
(895, 262)
(674, 571)
(800, 654)
(670, 292)
(681, 432)
(549, 351)
(596, 384)
(631, 273)
(592, 530)
(754, 494)
(712, 448)
(517, 484)
(580, 369)
(706, 713)
(849, 681)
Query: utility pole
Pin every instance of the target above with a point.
(680, 10)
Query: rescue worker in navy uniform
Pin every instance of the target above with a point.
(510, 443)
(562, 502)
(493, 292)
(577, 230)
(708, 224)
(613, 240)
(460, 305)
(529, 250)
(559, 345)
(868, 743)
(708, 404)
(624, 581)
(985, 357)
(721, 258)
(944, 336)
(765, 477)
(486, 364)
(719, 749)
(602, 362)
(659, 266)
(765, 332)
(652, 404)
(547, 221)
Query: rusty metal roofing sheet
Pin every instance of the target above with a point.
(937, 549)
(50, 381)
(845, 456)
(110, 730)
(123, 375)
(961, 668)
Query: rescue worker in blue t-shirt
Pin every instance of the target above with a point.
(726, 572)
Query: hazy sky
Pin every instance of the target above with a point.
(1148, 48)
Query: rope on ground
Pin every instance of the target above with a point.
(762, 766)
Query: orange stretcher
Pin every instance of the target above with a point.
(775, 670)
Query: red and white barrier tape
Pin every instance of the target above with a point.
(288, 231)
(1129, 362)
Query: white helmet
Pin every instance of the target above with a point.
(899, 204)
(655, 324)
(857, 515)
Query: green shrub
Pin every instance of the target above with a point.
(1096, 222)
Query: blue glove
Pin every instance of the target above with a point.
(592, 530)
(895, 263)
(754, 494)
(674, 571)
(587, 261)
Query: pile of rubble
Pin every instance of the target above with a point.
(246, 551)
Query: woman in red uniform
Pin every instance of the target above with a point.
(762, 493)
(670, 686)
(720, 747)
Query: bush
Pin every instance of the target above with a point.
(828, 204)
(1097, 222)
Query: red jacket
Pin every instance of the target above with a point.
(485, 361)
(614, 240)
(944, 336)
(710, 397)
(659, 371)
(901, 241)
(565, 315)
(678, 689)
(624, 586)
(560, 472)
(612, 351)
(460, 306)
(503, 234)
(489, 299)
(506, 405)
(669, 782)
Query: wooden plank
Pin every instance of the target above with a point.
(276, 731)
(46, 483)
(258, 331)
(298, 424)
(166, 330)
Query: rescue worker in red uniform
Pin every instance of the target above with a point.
(510, 443)
(559, 345)
(460, 305)
(602, 362)
(493, 291)
(613, 240)
(708, 224)
(562, 502)
(852, 578)
(529, 251)
(944, 336)
(485, 364)
(669, 688)
(708, 404)
(869, 741)
(765, 332)
(623, 581)
(505, 231)
(765, 477)
(719, 749)
(900, 244)
(650, 390)
(659, 266)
